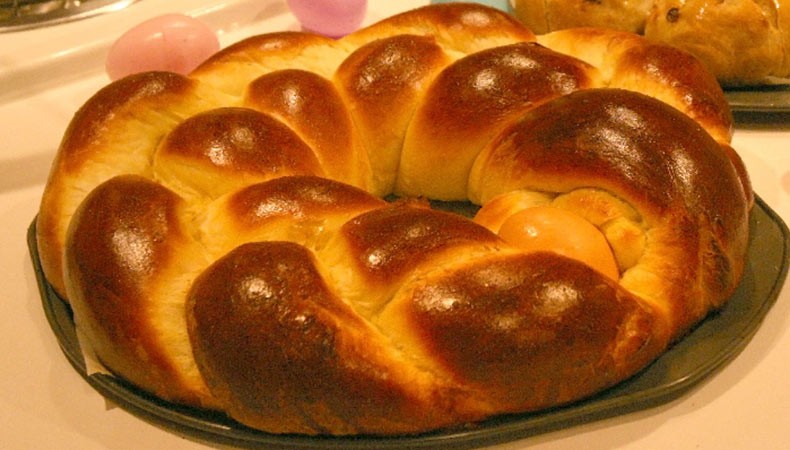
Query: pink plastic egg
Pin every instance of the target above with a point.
(333, 18)
(172, 42)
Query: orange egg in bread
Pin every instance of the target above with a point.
(494, 213)
(548, 228)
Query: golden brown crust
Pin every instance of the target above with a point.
(537, 316)
(742, 42)
(259, 55)
(223, 243)
(226, 148)
(388, 242)
(494, 86)
(324, 370)
(543, 16)
(304, 209)
(128, 249)
(319, 116)
(615, 140)
(452, 25)
(386, 78)
(296, 198)
(630, 62)
(138, 111)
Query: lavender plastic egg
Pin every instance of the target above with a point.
(333, 18)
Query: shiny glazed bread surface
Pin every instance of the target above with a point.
(224, 243)
(742, 42)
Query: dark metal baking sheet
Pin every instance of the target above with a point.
(768, 98)
(716, 341)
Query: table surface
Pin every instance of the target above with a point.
(44, 403)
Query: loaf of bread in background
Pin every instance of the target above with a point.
(543, 16)
(743, 42)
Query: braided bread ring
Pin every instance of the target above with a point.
(223, 243)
